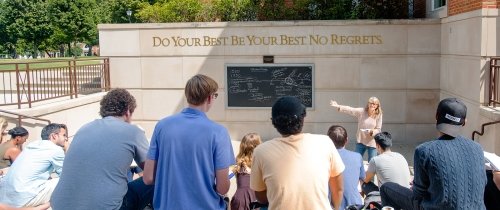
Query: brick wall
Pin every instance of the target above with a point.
(461, 6)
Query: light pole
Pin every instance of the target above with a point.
(129, 13)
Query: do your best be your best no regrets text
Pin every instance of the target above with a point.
(253, 40)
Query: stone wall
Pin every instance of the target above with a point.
(396, 60)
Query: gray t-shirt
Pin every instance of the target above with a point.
(390, 167)
(95, 170)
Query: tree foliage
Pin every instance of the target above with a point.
(30, 26)
(73, 21)
(26, 24)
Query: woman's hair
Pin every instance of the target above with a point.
(3, 123)
(18, 131)
(199, 88)
(378, 110)
(116, 103)
(244, 157)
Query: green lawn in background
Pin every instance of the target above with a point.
(9, 64)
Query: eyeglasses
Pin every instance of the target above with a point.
(215, 95)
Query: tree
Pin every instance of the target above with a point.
(73, 21)
(171, 11)
(25, 24)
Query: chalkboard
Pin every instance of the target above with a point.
(260, 85)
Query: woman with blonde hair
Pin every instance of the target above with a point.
(369, 124)
(3, 127)
(244, 195)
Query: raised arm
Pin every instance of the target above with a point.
(334, 104)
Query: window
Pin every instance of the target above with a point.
(436, 4)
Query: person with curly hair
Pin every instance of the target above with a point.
(292, 171)
(11, 149)
(244, 195)
(99, 158)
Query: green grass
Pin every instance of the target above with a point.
(10, 64)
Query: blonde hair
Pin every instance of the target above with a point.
(3, 123)
(244, 157)
(378, 110)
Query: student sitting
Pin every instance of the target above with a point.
(11, 149)
(388, 165)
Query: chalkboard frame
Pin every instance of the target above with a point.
(226, 82)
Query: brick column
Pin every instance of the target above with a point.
(462, 6)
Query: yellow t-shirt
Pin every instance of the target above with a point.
(295, 171)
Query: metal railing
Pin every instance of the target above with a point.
(24, 83)
(482, 129)
(20, 117)
(494, 89)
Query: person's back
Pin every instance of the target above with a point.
(95, 168)
(454, 173)
(297, 170)
(354, 171)
(390, 167)
(97, 163)
(5, 162)
(189, 156)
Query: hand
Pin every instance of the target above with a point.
(334, 103)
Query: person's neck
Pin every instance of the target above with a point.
(386, 151)
(203, 107)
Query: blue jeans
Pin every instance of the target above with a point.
(138, 196)
(398, 197)
(361, 148)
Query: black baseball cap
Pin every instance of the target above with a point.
(450, 116)
(288, 105)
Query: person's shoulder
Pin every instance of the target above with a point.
(317, 137)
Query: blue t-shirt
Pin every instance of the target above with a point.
(353, 172)
(188, 149)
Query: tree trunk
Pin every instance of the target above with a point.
(69, 50)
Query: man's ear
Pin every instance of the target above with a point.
(465, 120)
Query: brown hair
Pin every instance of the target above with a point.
(199, 88)
(244, 157)
(117, 102)
(338, 135)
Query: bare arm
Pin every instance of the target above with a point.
(261, 196)
(12, 153)
(496, 179)
(337, 188)
(222, 181)
(149, 173)
(369, 176)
